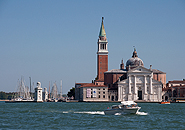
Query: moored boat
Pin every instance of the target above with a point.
(164, 102)
(128, 107)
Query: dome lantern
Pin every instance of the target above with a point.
(134, 61)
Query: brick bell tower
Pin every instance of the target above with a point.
(102, 54)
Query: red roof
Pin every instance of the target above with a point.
(81, 83)
(93, 85)
(177, 81)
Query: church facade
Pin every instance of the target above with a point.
(130, 82)
(140, 85)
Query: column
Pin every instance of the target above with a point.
(135, 84)
(129, 85)
(129, 89)
(151, 92)
(135, 90)
(145, 86)
(145, 89)
(119, 93)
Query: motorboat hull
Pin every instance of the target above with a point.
(164, 102)
(122, 111)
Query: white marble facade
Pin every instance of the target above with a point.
(140, 85)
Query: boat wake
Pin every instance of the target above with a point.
(87, 112)
(101, 113)
(92, 112)
(141, 113)
(117, 114)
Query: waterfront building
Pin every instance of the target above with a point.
(174, 89)
(90, 92)
(132, 82)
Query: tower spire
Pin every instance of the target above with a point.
(102, 53)
(102, 33)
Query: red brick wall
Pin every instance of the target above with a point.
(111, 78)
(160, 77)
(108, 79)
(102, 65)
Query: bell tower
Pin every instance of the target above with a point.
(102, 53)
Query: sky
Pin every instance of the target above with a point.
(51, 41)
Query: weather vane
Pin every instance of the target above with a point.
(134, 48)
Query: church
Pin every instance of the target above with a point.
(130, 82)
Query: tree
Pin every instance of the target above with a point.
(71, 92)
(3, 95)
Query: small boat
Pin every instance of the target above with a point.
(164, 102)
(127, 107)
(19, 100)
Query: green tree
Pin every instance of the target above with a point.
(3, 95)
(71, 92)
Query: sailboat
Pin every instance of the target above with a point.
(23, 94)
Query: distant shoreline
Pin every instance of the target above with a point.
(4, 100)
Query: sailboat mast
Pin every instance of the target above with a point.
(30, 86)
(61, 89)
(49, 89)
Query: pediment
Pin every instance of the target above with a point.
(140, 69)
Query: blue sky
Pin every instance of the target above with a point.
(57, 40)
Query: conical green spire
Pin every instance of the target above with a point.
(102, 30)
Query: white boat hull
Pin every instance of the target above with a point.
(122, 111)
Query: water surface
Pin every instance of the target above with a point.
(60, 115)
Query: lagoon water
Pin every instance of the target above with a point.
(61, 115)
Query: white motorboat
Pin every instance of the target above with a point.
(128, 107)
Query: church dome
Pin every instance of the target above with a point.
(134, 61)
